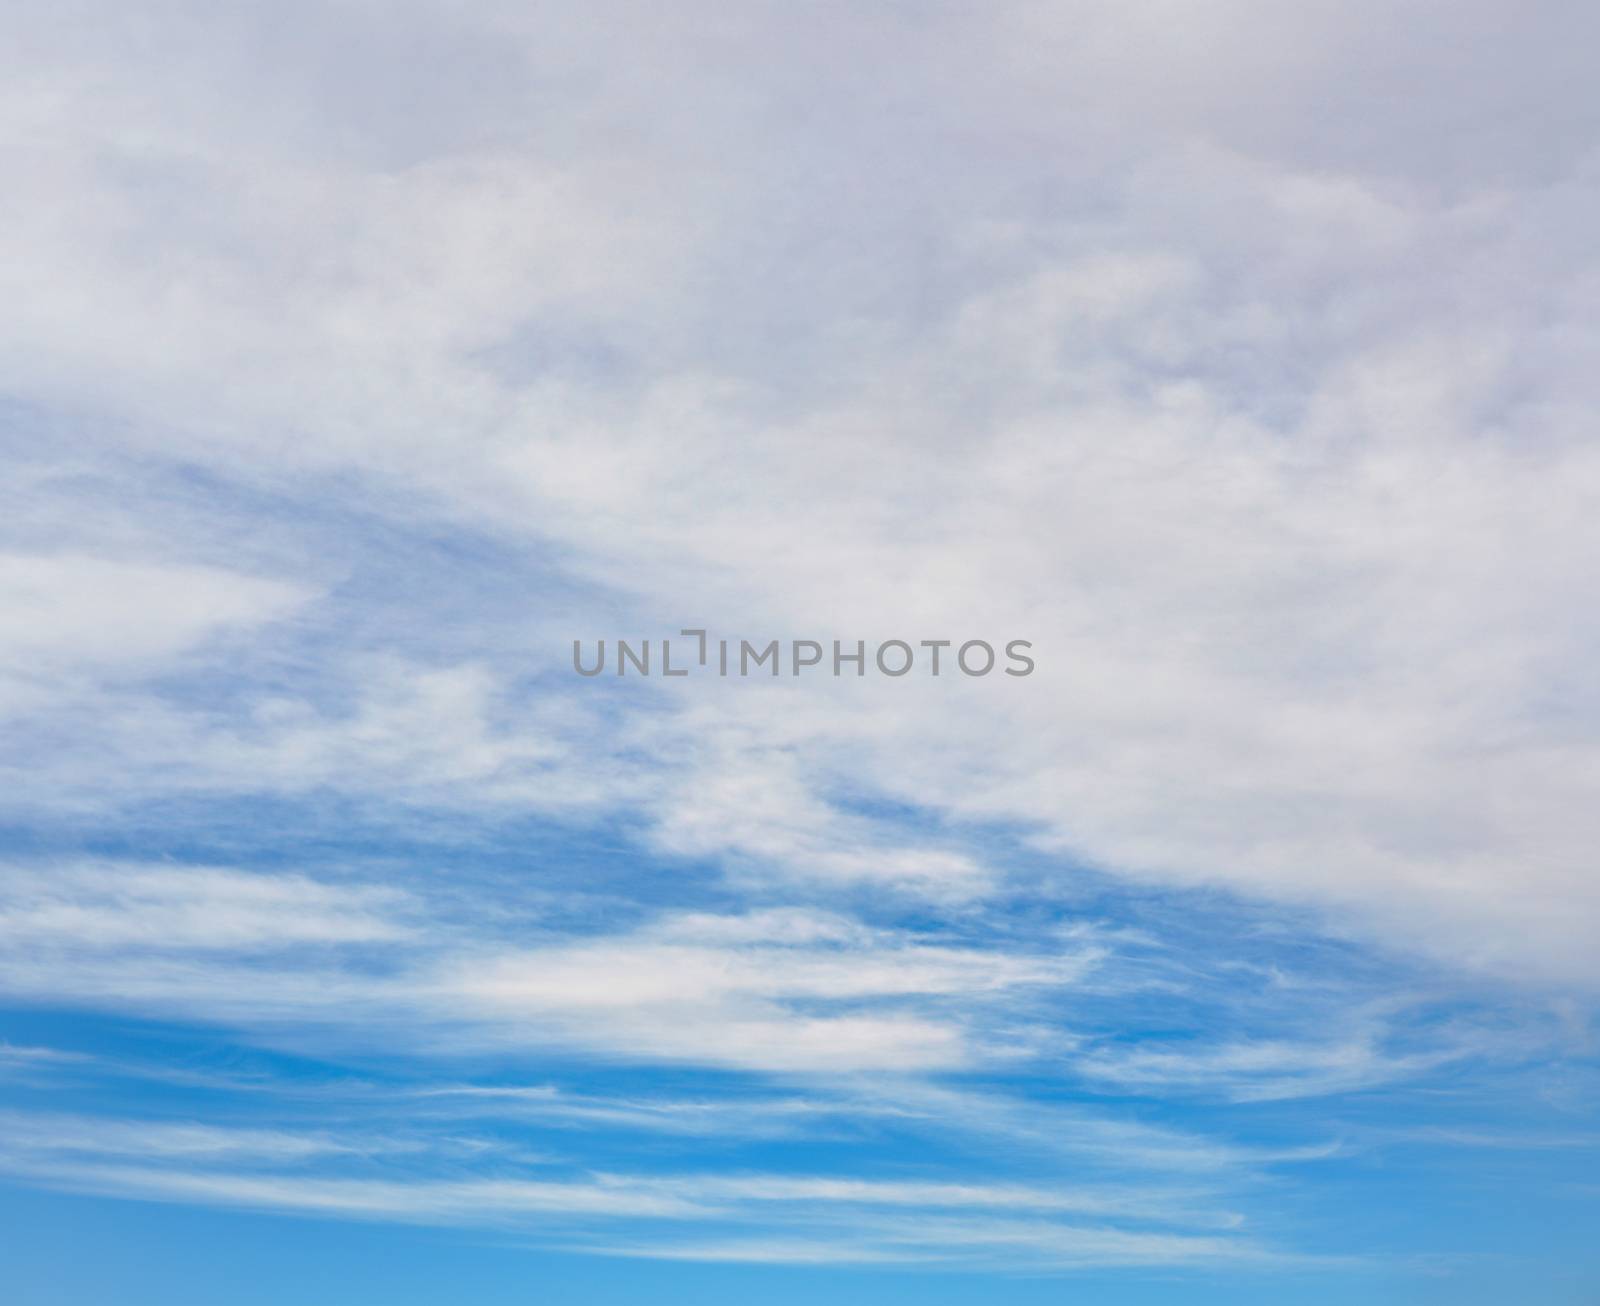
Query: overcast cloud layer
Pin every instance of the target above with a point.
(358, 359)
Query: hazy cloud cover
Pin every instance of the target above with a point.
(357, 360)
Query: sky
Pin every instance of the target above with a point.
(358, 360)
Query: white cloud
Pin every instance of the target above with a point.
(1151, 1205)
(1013, 1244)
(74, 616)
(1264, 1070)
(352, 373)
(112, 906)
(783, 990)
(1296, 523)
(857, 1216)
(28, 1133)
(470, 1201)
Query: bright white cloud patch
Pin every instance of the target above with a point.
(1271, 438)
(112, 906)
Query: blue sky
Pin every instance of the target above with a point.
(356, 362)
